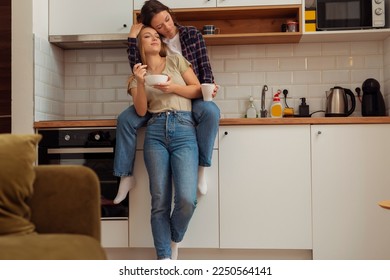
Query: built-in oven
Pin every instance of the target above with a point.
(90, 147)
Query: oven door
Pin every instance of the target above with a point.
(344, 14)
(99, 159)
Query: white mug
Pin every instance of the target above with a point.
(207, 91)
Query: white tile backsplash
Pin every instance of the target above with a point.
(336, 48)
(102, 69)
(251, 51)
(91, 84)
(307, 77)
(307, 49)
(238, 65)
(49, 93)
(336, 76)
(265, 64)
(321, 63)
(281, 50)
(89, 55)
(292, 63)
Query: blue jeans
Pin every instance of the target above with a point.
(171, 155)
(205, 114)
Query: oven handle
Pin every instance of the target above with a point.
(80, 150)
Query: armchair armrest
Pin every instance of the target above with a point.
(66, 199)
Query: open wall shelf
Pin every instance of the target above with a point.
(243, 25)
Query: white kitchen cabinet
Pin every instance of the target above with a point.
(265, 187)
(232, 3)
(350, 175)
(175, 4)
(74, 17)
(203, 231)
(115, 233)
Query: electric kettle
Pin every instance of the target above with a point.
(337, 102)
(373, 103)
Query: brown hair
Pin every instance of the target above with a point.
(152, 8)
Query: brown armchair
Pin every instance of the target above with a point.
(65, 211)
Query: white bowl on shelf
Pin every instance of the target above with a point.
(152, 80)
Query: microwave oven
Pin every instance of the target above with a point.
(350, 14)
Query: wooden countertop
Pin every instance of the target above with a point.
(233, 121)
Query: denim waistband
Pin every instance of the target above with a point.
(172, 112)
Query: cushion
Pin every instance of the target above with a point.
(17, 157)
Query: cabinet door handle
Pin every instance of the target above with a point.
(226, 133)
(319, 132)
(125, 25)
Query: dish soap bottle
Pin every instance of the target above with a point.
(251, 112)
(276, 107)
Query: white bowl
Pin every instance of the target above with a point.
(152, 80)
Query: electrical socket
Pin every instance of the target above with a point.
(285, 93)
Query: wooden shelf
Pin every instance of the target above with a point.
(253, 38)
(243, 25)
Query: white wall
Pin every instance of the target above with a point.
(386, 72)
(41, 18)
(22, 67)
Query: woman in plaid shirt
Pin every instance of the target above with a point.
(189, 42)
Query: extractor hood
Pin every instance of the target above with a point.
(92, 41)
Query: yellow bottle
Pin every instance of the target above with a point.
(276, 107)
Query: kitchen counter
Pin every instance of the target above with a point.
(230, 121)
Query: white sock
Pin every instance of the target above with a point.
(125, 185)
(175, 250)
(202, 184)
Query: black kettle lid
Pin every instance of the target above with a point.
(371, 85)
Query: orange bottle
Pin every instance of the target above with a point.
(276, 107)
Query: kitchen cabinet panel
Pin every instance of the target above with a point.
(115, 233)
(265, 187)
(232, 3)
(203, 231)
(174, 4)
(74, 17)
(350, 175)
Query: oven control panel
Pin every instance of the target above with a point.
(77, 137)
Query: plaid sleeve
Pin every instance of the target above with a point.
(195, 51)
(132, 52)
(205, 72)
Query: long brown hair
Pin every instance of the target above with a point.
(152, 8)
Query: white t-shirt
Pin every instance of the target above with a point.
(174, 46)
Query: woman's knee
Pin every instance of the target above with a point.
(206, 109)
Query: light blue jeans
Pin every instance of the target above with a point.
(171, 155)
(206, 115)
